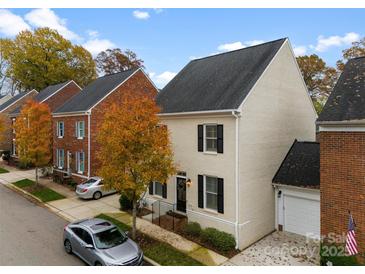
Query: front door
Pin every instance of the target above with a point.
(181, 194)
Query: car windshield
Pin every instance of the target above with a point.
(109, 238)
(89, 182)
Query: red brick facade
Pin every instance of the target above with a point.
(343, 182)
(6, 143)
(137, 83)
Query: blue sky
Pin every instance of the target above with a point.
(167, 39)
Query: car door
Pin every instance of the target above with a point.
(88, 253)
(76, 240)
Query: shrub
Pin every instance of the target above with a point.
(6, 156)
(193, 229)
(220, 240)
(72, 184)
(125, 203)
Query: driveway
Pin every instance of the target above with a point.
(279, 248)
(30, 234)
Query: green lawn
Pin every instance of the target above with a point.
(3, 170)
(45, 194)
(160, 252)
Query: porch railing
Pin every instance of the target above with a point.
(164, 214)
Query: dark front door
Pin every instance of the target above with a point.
(181, 194)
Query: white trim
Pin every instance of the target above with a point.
(205, 139)
(237, 179)
(153, 84)
(343, 123)
(76, 113)
(349, 128)
(17, 100)
(205, 194)
(296, 188)
(210, 216)
(110, 92)
(88, 143)
(202, 112)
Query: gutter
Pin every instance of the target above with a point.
(345, 122)
(189, 113)
(237, 115)
(88, 143)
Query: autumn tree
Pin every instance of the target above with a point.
(44, 57)
(319, 78)
(134, 148)
(6, 82)
(33, 135)
(115, 60)
(357, 49)
(3, 126)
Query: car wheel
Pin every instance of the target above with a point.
(98, 263)
(97, 195)
(68, 247)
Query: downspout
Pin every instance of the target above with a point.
(88, 143)
(237, 115)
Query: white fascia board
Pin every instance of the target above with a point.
(65, 85)
(201, 113)
(296, 187)
(65, 114)
(33, 90)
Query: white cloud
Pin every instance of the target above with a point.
(11, 24)
(143, 15)
(92, 33)
(323, 43)
(95, 46)
(300, 50)
(158, 10)
(238, 45)
(40, 18)
(162, 79)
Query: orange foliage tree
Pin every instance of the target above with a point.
(33, 135)
(134, 148)
(3, 126)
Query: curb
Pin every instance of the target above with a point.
(152, 262)
(25, 193)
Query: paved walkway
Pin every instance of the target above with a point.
(15, 175)
(279, 249)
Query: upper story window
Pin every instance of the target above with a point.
(80, 129)
(60, 157)
(80, 161)
(60, 129)
(210, 138)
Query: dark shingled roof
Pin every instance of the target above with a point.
(94, 92)
(13, 100)
(217, 82)
(43, 94)
(300, 167)
(347, 100)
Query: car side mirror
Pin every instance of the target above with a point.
(126, 233)
(88, 246)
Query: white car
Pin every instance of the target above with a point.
(93, 189)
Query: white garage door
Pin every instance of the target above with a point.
(301, 216)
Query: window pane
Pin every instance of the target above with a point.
(211, 145)
(211, 131)
(211, 184)
(211, 202)
(158, 189)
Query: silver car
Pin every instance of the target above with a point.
(99, 242)
(92, 189)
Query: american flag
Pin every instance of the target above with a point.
(351, 245)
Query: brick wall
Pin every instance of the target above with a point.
(62, 96)
(343, 182)
(6, 142)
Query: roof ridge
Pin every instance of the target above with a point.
(106, 75)
(245, 48)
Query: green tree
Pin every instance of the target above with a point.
(357, 49)
(115, 60)
(43, 57)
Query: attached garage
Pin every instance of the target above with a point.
(297, 193)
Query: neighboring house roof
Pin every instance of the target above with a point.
(44, 94)
(347, 100)
(94, 92)
(218, 82)
(13, 100)
(300, 167)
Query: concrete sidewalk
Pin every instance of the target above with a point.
(15, 175)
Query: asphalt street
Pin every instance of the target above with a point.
(30, 234)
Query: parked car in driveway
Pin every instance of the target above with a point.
(99, 242)
(92, 189)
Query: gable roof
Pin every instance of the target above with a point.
(347, 100)
(94, 92)
(300, 167)
(14, 99)
(44, 94)
(218, 82)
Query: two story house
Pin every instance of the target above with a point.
(54, 96)
(6, 108)
(342, 147)
(232, 117)
(77, 121)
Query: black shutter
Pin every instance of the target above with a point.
(200, 191)
(220, 138)
(150, 188)
(164, 191)
(200, 137)
(220, 196)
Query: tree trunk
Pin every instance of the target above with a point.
(36, 175)
(134, 219)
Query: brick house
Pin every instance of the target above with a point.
(54, 96)
(76, 122)
(342, 149)
(5, 109)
